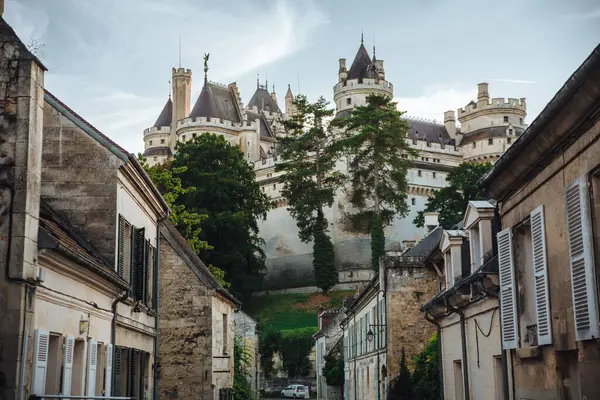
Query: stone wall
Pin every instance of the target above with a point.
(21, 108)
(79, 180)
(185, 334)
(409, 286)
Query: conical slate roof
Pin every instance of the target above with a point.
(166, 115)
(263, 100)
(361, 64)
(205, 105)
(289, 93)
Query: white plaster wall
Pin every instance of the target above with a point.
(131, 206)
(451, 350)
(483, 148)
(492, 119)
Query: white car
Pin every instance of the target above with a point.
(295, 392)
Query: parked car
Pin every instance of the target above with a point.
(295, 392)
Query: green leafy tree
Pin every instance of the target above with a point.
(374, 137)
(310, 181)
(426, 375)
(334, 368)
(227, 192)
(242, 389)
(166, 179)
(401, 387)
(452, 201)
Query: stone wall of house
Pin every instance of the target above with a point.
(21, 108)
(222, 343)
(185, 344)
(409, 285)
(79, 180)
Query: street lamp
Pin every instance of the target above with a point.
(370, 334)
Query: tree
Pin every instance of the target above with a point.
(167, 181)
(310, 181)
(374, 137)
(242, 390)
(227, 192)
(334, 368)
(401, 387)
(452, 201)
(426, 376)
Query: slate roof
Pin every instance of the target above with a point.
(158, 151)
(488, 133)
(362, 65)
(428, 245)
(263, 100)
(216, 101)
(166, 115)
(265, 129)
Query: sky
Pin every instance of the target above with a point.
(111, 60)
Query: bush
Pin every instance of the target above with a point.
(242, 390)
(401, 387)
(426, 377)
(334, 369)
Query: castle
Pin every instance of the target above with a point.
(488, 126)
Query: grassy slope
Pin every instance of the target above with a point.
(291, 312)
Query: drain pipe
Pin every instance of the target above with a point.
(463, 336)
(439, 349)
(502, 352)
(113, 332)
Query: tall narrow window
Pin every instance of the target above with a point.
(419, 173)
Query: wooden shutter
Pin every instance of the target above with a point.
(583, 279)
(540, 270)
(145, 274)
(137, 267)
(92, 367)
(40, 362)
(121, 247)
(508, 298)
(117, 373)
(68, 367)
(131, 382)
(109, 369)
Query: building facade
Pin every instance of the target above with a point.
(328, 340)
(196, 324)
(547, 187)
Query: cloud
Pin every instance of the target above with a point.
(508, 80)
(435, 100)
(591, 14)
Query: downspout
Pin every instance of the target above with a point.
(113, 333)
(463, 337)
(439, 349)
(502, 351)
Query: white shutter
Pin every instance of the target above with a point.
(68, 367)
(583, 280)
(91, 367)
(540, 270)
(108, 373)
(508, 298)
(40, 362)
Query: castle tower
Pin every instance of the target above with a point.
(182, 92)
(365, 77)
(489, 126)
(289, 102)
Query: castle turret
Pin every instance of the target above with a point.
(274, 95)
(482, 93)
(450, 123)
(157, 138)
(342, 72)
(182, 92)
(289, 102)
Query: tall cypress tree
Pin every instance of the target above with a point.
(401, 388)
(374, 137)
(310, 181)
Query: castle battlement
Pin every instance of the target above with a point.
(157, 130)
(215, 122)
(367, 83)
(510, 105)
(182, 71)
(221, 85)
(255, 109)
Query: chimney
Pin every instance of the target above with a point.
(343, 72)
(450, 123)
(431, 221)
(482, 93)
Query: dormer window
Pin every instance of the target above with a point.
(478, 222)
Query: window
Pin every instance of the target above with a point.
(224, 333)
(155, 158)
(490, 142)
(124, 249)
(162, 141)
(428, 143)
(134, 259)
(506, 118)
(521, 121)
(508, 298)
(509, 140)
(348, 101)
(474, 145)
(413, 201)
(274, 186)
(131, 370)
(150, 142)
(510, 131)
(183, 138)
(151, 298)
(433, 175)
(263, 188)
(193, 135)
(419, 173)
(414, 141)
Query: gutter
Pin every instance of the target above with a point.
(587, 68)
(463, 337)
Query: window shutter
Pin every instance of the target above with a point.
(145, 274)
(508, 298)
(40, 362)
(121, 246)
(108, 373)
(117, 373)
(132, 372)
(137, 267)
(92, 364)
(540, 270)
(583, 279)
(68, 368)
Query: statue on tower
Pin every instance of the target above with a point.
(206, 56)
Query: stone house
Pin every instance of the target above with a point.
(246, 332)
(384, 319)
(465, 312)
(196, 324)
(548, 191)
